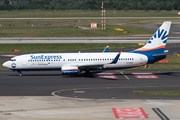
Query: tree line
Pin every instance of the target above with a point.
(90, 5)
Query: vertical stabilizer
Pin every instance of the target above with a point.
(157, 42)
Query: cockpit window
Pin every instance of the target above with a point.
(13, 60)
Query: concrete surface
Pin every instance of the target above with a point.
(62, 108)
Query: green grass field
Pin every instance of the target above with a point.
(32, 48)
(42, 30)
(175, 92)
(87, 13)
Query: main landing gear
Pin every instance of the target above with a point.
(88, 73)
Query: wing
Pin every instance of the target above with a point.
(74, 69)
(106, 49)
(99, 65)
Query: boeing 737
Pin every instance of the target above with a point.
(73, 63)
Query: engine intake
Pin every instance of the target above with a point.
(69, 70)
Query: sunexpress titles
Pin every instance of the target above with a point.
(45, 57)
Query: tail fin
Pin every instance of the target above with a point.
(157, 42)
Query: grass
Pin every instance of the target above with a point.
(42, 30)
(82, 13)
(32, 48)
(158, 67)
(66, 28)
(174, 92)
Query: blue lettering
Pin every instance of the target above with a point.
(32, 57)
(45, 57)
(48, 57)
(42, 57)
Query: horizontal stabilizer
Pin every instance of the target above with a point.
(166, 51)
(159, 55)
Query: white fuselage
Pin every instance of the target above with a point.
(59, 60)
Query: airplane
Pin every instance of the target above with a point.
(74, 63)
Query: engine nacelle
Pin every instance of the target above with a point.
(69, 70)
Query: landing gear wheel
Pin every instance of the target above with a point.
(20, 74)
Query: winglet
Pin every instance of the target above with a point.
(106, 49)
(116, 58)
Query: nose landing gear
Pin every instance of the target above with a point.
(20, 74)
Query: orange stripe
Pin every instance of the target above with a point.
(70, 69)
(145, 49)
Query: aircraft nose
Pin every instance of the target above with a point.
(6, 65)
